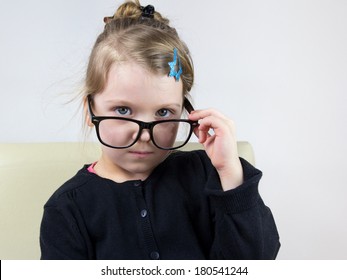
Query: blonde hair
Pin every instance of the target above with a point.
(147, 41)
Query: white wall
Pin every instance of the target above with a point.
(278, 68)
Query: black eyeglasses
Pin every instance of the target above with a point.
(121, 133)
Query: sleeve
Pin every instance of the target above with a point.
(63, 235)
(244, 227)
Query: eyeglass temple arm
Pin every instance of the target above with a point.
(187, 105)
(89, 106)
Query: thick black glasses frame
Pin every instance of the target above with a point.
(142, 125)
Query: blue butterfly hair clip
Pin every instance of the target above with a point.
(173, 66)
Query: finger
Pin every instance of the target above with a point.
(201, 134)
(207, 127)
(214, 123)
(205, 135)
(196, 132)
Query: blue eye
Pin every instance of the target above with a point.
(163, 113)
(123, 111)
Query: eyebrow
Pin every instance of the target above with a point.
(179, 106)
(127, 103)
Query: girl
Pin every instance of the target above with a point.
(140, 200)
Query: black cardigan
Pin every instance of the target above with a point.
(179, 212)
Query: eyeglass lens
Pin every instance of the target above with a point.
(123, 133)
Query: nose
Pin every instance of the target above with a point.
(145, 135)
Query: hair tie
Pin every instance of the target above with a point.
(148, 11)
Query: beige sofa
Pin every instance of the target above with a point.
(29, 174)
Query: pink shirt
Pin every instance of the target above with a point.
(91, 168)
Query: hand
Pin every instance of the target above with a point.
(221, 146)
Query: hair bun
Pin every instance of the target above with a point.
(134, 10)
(129, 9)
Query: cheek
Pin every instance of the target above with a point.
(111, 154)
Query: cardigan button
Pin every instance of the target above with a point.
(154, 255)
(144, 213)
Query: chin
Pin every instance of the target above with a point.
(141, 170)
(134, 167)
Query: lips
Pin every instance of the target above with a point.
(141, 154)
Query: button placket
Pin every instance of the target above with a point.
(146, 227)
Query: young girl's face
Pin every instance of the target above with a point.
(133, 92)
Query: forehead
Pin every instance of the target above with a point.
(131, 82)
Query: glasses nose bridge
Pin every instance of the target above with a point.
(146, 125)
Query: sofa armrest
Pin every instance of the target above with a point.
(29, 174)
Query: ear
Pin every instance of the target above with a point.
(86, 113)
